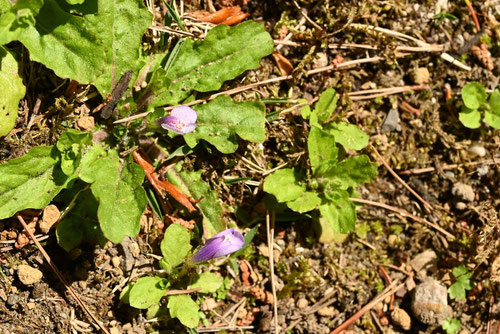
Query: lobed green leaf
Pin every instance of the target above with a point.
(284, 185)
(474, 95)
(185, 309)
(175, 246)
(471, 118)
(321, 147)
(208, 282)
(340, 214)
(348, 135)
(147, 291)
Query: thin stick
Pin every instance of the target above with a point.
(323, 302)
(424, 202)
(390, 33)
(387, 291)
(389, 281)
(404, 213)
(270, 243)
(272, 80)
(447, 167)
(473, 13)
(304, 14)
(226, 328)
(388, 91)
(60, 276)
(181, 292)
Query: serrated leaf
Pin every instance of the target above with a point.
(94, 48)
(147, 291)
(306, 202)
(351, 172)
(210, 206)
(463, 283)
(451, 326)
(220, 120)
(80, 224)
(175, 246)
(348, 135)
(340, 214)
(10, 82)
(208, 282)
(122, 199)
(321, 147)
(205, 65)
(325, 106)
(31, 181)
(185, 309)
(284, 184)
(474, 95)
(471, 118)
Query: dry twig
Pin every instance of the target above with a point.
(270, 243)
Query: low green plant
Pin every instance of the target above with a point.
(476, 103)
(451, 326)
(463, 282)
(333, 176)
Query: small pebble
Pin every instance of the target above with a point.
(302, 303)
(421, 75)
(28, 275)
(327, 311)
(430, 303)
(31, 305)
(391, 122)
(463, 191)
(477, 150)
(401, 318)
(116, 260)
(86, 123)
(114, 330)
(12, 299)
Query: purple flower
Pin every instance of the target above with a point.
(181, 120)
(223, 243)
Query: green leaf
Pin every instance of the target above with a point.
(471, 118)
(340, 214)
(87, 170)
(204, 65)
(306, 202)
(492, 115)
(71, 145)
(451, 326)
(324, 107)
(321, 147)
(220, 120)
(283, 184)
(147, 291)
(175, 246)
(75, 2)
(185, 309)
(305, 111)
(348, 135)
(10, 82)
(473, 95)
(94, 48)
(192, 183)
(122, 199)
(463, 283)
(31, 181)
(351, 172)
(80, 224)
(208, 282)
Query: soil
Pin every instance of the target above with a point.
(453, 168)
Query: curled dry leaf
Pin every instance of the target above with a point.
(23, 238)
(284, 64)
(50, 216)
(228, 15)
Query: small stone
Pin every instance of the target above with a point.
(430, 303)
(134, 249)
(401, 318)
(209, 304)
(327, 311)
(127, 326)
(114, 330)
(51, 215)
(3, 295)
(302, 303)
(116, 260)
(86, 123)
(421, 75)
(321, 60)
(263, 250)
(391, 122)
(424, 261)
(31, 305)
(477, 150)
(28, 275)
(461, 206)
(12, 299)
(463, 191)
(392, 239)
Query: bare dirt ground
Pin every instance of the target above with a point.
(319, 284)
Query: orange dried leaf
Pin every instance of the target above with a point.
(284, 64)
(235, 19)
(220, 15)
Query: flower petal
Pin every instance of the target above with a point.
(186, 114)
(223, 243)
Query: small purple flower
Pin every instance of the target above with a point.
(181, 120)
(223, 243)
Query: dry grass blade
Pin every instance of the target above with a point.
(270, 243)
(404, 213)
(61, 277)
